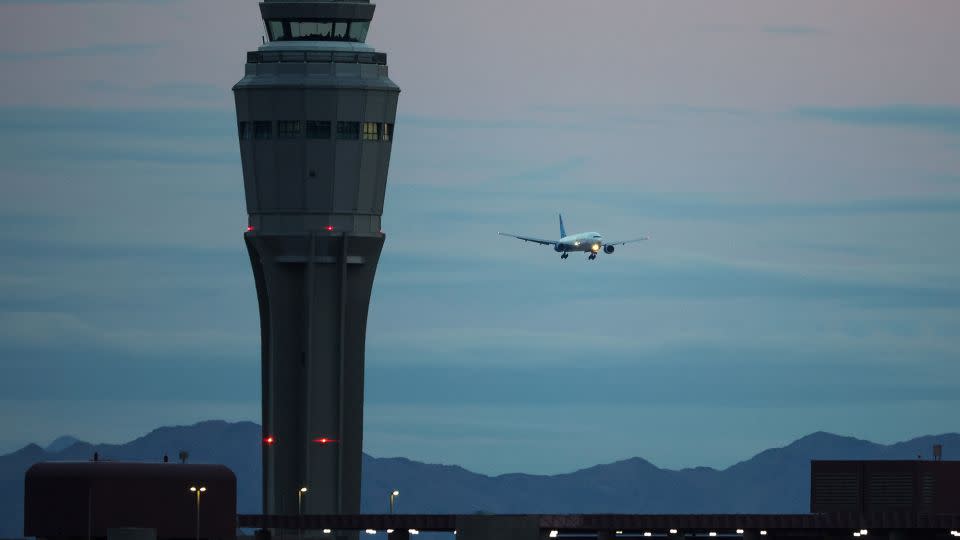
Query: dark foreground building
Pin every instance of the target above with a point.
(868, 487)
(315, 114)
(86, 499)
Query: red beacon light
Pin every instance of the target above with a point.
(249, 228)
(269, 440)
(324, 440)
(330, 228)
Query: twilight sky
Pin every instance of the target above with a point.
(796, 163)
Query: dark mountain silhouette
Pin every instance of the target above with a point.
(61, 443)
(773, 481)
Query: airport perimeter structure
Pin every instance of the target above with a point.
(315, 116)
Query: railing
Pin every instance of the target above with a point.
(340, 57)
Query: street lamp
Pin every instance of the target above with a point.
(300, 494)
(393, 497)
(198, 491)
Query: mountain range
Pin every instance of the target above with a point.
(773, 481)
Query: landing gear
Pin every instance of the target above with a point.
(592, 257)
(565, 255)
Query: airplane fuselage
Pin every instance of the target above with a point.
(590, 242)
(587, 242)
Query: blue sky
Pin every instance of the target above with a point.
(796, 166)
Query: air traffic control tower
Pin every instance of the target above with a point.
(315, 115)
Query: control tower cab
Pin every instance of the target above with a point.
(315, 117)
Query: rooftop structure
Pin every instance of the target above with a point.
(908, 486)
(86, 499)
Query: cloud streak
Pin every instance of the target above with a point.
(793, 30)
(102, 49)
(941, 118)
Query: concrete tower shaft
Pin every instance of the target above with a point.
(315, 116)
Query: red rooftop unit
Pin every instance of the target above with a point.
(74, 499)
(918, 487)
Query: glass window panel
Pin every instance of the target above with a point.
(318, 129)
(371, 131)
(244, 131)
(262, 130)
(323, 29)
(288, 129)
(387, 132)
(275, 29)
(339, 30)
(348, 130)
(358, 30)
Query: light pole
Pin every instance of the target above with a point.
(198, 491)
(393, 496)
(300, 493)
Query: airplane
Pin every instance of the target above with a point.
(589, 242)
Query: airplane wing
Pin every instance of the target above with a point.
(529, 239)
(622, 242)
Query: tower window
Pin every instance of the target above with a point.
(348, 130)
(318, 129)
(263, 130)
(244, 131)
(371, 131)
(317, 30)
(358, 31)
(288, 129)
(310, 29)
(387, 132)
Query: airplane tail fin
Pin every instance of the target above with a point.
(563, 231)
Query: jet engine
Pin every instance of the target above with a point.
(557, 248)
(608, 249)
